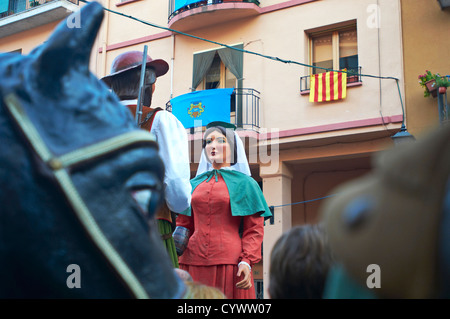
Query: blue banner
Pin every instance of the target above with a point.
(3, 5)
(181, 3)
(199, 108)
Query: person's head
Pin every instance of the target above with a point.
(125, 76)
(299, 263)
(197, 290)
(220, 146)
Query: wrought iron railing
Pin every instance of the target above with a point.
(247, 108)
(200, 3)
(17, 6)
(353, 76)
(244, 108)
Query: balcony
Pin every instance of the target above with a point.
(186, 15)
(244, 110)
(20, 15)
(353, 79)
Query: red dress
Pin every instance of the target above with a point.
(215, 247)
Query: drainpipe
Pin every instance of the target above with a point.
(442, 106)
(171, 65)
(105, 38)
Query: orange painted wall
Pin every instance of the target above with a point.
(426, 46)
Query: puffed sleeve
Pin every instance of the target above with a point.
(252, 238)
(187, 222)
(173, 149)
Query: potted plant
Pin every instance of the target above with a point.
(432, 82)
(443, 83)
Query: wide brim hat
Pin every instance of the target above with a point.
(131, 60)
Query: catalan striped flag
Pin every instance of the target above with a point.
(328, 86)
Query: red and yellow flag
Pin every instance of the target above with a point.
(328, 86)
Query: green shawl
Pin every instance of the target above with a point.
(246, 197)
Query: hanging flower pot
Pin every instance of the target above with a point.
(431, 87)
(433, 83)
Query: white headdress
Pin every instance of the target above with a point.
(241, 164)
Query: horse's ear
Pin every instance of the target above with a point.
(69, 47)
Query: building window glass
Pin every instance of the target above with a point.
(218, 69)
(337, 50)
(218, 76)
(348, 49)
(322, 52)
(212, 78)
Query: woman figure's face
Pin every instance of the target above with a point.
(218, 150)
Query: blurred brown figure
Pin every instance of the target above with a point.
(197, 290)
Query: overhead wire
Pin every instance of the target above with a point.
(239, 49)
(266, 57)
(258, 54)
(305, 201)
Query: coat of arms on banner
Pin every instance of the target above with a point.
(196, 110)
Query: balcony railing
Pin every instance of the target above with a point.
(247, 108)
(174, 10)
(17, 6)
(353, 76)
(244, 109)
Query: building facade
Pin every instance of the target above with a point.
(268, 51)
(425, 48)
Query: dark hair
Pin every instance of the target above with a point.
(229, 134)
(299, 263)
(126, 85)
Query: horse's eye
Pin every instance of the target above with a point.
(143, 198)
(146, 190)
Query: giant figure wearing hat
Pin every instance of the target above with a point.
(170, 134)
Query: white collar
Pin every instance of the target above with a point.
(129, 102)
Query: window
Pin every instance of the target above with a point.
(337, 49)
(212, 77)
(219, 69)
(219, 76)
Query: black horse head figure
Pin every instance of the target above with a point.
(79, 181)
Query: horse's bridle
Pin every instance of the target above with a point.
(60, 165)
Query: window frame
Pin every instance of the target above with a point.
(334, 31)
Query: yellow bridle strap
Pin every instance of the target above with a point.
(108, 146)
(59, 165)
